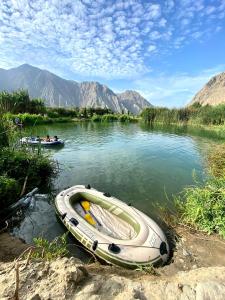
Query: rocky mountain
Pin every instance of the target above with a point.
(60, 92)
(132, 101)
(213, 93)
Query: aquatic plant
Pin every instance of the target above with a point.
(195, 114)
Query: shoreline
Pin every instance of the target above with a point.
(198, 261)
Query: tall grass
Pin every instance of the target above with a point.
(203, 207)
(195, 114)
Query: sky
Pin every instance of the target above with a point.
(164, 49)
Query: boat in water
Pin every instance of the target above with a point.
(113, 230)
(38, 141)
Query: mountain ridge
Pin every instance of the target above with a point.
(213, 92)
(60, 92)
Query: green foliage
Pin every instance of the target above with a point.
(204, 207)
(109, 118)
(50, 250)
(9, 191)
(124, 118)
(195, 114)
(96, 118)
(20, 102)
(216, 160)
(147, 269)
(19, 164)
(57, 112)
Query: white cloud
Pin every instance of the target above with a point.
(176, 90)
(104, 38)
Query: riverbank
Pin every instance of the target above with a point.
(196, 270)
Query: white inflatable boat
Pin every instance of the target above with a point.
(111, 229)
(35, 141)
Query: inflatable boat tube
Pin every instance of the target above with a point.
(31, 141)
(114, 231)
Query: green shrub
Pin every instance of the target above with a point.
(204, 207)
(96, 118)
(216, 160)
(9, 191)
(50, 250)
(109, 118)
(195, 114)
(124, 118)
(19, 164)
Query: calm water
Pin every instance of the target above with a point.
(135, 163)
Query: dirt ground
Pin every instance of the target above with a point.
(192, 250)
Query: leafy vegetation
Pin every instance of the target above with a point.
(203, 207)
(50, 250)
(9, 191)
(113, 117)
(216, 161)
(20, 166)
(20, 102)
(195, 114)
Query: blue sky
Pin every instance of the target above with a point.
(167, 50)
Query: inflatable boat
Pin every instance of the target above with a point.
(34, 141)
(114, 231)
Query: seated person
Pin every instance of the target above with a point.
(47, 139)
(55, 138)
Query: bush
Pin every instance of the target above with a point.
(124, 118)
(204, 207)
(26, 118)
(195, 114)
(50, 250)
(216, 161)
(96, 118)
(19, 164)
(109, 118)
(9, 191)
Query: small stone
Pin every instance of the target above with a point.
(186, 253)
(36, 297)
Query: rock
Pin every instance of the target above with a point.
(186, 253)
(68, 279)
(56, 91)
(213, 93)
(36, 297)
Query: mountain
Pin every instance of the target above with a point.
(133, 101)
(213, 93)
(60, 92)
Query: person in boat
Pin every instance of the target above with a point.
(55, 139)
(47, 139)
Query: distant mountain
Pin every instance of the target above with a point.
(59, 92)
(213, 93)
(133, 101)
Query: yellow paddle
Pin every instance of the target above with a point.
(86, 206)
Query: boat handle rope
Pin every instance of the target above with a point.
(129, 245)
(162, 246)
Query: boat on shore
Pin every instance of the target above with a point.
(114, 231)
(38, 141)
